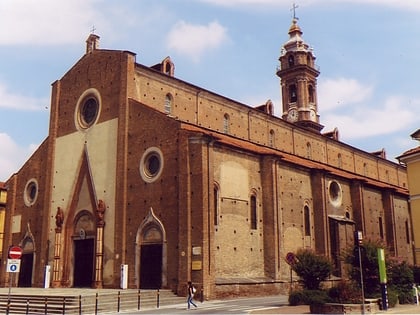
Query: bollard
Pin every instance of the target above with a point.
(64, 305)
(138, 300)
(119, 301)
(27, 306)
(80, 305)
(202, 295)
(96, 303)
(157, 299)
(46, 305)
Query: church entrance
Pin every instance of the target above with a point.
(25, 273)
(151, 266)
(83, 263)
(151, 257)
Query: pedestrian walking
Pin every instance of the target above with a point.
(191, 291)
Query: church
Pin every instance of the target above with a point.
(150, 178)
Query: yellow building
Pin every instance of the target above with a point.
(412, 160)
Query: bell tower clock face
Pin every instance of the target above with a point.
(292, 116)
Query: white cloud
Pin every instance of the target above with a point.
(402, 5)
(12, 157)
(30, 22)
(19, 102)
(193, 40)
(369, 120)
(334, 93)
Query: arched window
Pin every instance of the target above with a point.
(291, 60)
(340, 160)
(307, 218)
(271, 138)
(407, 232)
(308, 150)
(311, 94)
(216, 205)
(253, 212)
(168, 104)
(292, 93)
(226, 123)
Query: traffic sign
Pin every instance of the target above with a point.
(13, 265)
(15, 252)
(291, 258)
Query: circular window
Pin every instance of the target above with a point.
(87, 109)
(335, 194)
(31, 192)
(151, 164)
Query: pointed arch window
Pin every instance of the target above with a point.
(168, 104)
(292, 93)
(307, 218)
(253, 212)
(407, 232)
(226, 123)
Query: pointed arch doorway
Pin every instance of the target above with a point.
(151, 253)
(84, 250)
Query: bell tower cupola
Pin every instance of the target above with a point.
(298, 75)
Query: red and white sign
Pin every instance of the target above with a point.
(15, 252)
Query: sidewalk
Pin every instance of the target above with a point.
(304, 309)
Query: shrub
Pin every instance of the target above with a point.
(345, 292)
(308, 297)
(312, 268)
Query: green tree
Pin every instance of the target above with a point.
(312, 268)
(370, 269)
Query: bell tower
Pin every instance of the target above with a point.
(298, 75)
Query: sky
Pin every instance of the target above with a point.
(368, 52)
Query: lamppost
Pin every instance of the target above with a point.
(358, 238)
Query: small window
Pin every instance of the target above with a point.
(226, 123)
(340, 160)
(291, 60)
(216, 205)
(307, 217)
(292, 93)
(168, 104)
(311, 94)
(308, 150)
(271, 139)
(253, 214)
(381, 228)
(407, 232)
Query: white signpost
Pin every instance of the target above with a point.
(13, 265)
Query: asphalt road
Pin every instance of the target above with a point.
(231, 306)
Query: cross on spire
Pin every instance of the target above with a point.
(92, 31)
(294, 7)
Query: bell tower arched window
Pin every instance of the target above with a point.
(311, 94)
(291, 60)
(292, 93)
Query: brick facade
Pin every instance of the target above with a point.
(179, 183)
